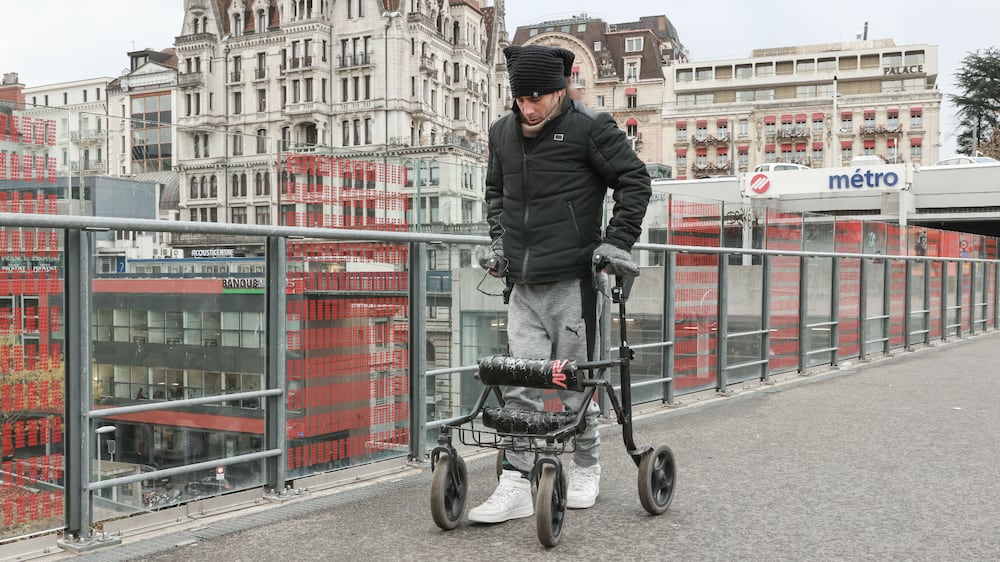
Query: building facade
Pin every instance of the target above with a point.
(388, 85)
(817, 105)
(619, 68)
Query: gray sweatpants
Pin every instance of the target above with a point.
(546, 322)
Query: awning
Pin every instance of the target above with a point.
(916, 142)
(768, 148)
(722, 122)
(787, 147)
(846, 144)
(701, 151)
(846, 115)
(870, 143)
(817, 116)
(743, 149)
(701, 123)
(769, 119)
(869, 114)
(631, 121)
(891, 143)
(682, 152)
(916, 111)
(721, 150)
(892, 112)
(786, 118)
(630, 91)
(800, 118)
(576, 69)
(800, 147)
(682, 124)
(817, 145)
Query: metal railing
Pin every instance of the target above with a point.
(690, 346)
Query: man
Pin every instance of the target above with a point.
(551, 161)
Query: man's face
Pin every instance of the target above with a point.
(535, 109)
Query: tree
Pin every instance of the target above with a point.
(978, 104)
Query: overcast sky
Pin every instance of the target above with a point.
(50, 41)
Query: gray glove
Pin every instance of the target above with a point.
(618, 261)
(491, 258)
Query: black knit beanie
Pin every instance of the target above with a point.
(535, 70)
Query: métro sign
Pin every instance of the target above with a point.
(844, 181)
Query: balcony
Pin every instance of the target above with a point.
(191, 79)
(260, 74)
(302, 107)
(89, 166)
(712, 139)
(870, 130)
(88, 135)
(235, 77)
(356, 61)
(793, 133)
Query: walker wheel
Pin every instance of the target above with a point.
(550, 504)
(657, 477)
(449, 487)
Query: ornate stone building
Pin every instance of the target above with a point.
(379, 86)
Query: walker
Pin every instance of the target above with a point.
(548, 434)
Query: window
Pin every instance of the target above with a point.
(682, 133)
(743, 128)
(239, 215)
(600, 101)
(597, 47)
(631, 129)
(633, 44)
(263, 214)
(630, 101)
(805, 66)
(261, 100)
(846, 122)
(705, 73)
(631, 72)
(685, 75)
(916, 119)
(345, 128)
(704, 99)
(237, 144)
(261, 141)
(765, 69)
(744, 71)
(237, 103)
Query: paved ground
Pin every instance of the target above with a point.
(893, 460)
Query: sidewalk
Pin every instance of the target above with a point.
(898, 459)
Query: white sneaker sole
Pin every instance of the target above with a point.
(519, 513)
(580, 503)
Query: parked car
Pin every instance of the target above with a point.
(779, 166)
(961, 160)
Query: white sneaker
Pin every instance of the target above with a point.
(584, 485)
(511, 500)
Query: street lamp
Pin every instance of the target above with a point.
(100, 431)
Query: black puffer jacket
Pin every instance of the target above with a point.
(545, 196)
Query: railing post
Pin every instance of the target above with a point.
(907, 309)
(667, 354)
(834, 310)
(996, 295)
(803, 310)
(722, 324)
(959, 286)
(886, 305)
(76, 372)
(927, 302)
(863, 309)
(275, 416)
(418, 348)
(944, 300)
(765, 319)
